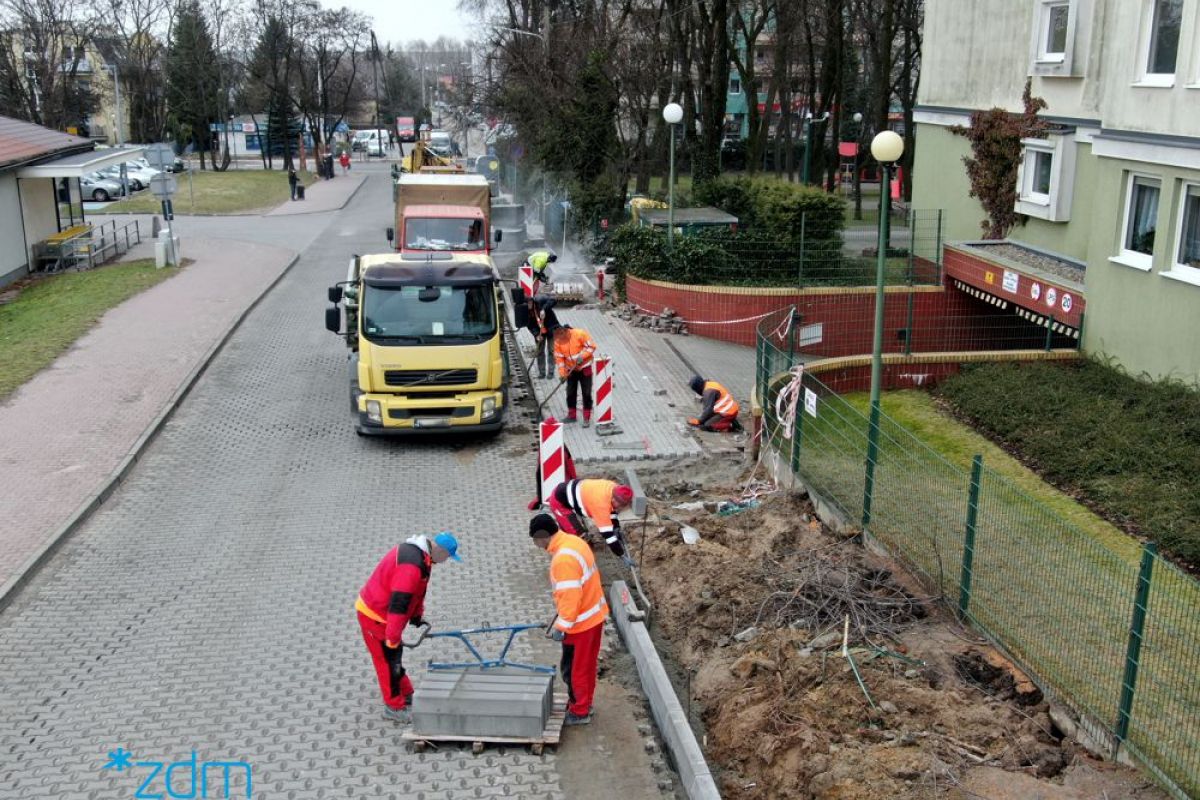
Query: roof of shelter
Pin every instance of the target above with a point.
(23, 142)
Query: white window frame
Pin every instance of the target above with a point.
(1146, 78)
(1132, 258)
(1180, 271)
(1052, 65)
(1055, 206)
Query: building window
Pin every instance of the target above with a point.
(1187, 250)
(735, 85)
(1052, 31)
(1141, 222)
(1045, 177)
(1164, 36)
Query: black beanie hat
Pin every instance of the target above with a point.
(697, 384)
(543, 523)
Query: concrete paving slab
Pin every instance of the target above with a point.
(482, 703)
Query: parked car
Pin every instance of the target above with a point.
(176, 166)
(100, 187)
(138, 176)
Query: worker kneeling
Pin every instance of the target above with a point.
(573, 502)
(579, 600)
(720, 410)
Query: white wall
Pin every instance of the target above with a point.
(38, 201)
(14, 255)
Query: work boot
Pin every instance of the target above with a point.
(401, 715)
(587, 418)
(571, 418)
(577, 719)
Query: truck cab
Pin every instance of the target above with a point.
(427, 344)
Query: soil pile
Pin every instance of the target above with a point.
(756, 613)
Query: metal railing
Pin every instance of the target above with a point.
(104, 242)
(1108, 626)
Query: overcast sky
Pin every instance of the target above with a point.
(402, 21)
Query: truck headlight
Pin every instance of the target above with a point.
(488, 407)
(374, 411)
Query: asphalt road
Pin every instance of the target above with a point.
(206, 609)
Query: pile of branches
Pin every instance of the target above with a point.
(830, 585)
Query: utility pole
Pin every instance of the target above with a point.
(116, 73)
(375, 70)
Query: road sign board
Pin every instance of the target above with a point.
(160, 156)
(163, 185)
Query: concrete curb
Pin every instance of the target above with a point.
(12, 587)
(669, 716)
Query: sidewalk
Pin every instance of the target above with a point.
(75, 427)
(651, 398)
(321, 196)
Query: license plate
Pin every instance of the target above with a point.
(431, 422)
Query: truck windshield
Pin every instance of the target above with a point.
(443, 234)
(457, 315)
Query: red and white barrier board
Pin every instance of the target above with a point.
(552, 457)
(604, 387)
(525, 279)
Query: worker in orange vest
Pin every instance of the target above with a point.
(573, 352)
(579, 599)
(574, 501)
(720, 410)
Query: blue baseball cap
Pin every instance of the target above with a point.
(447, 542)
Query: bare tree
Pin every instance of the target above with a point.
(330, 51)
(43, 61)
(133, 35)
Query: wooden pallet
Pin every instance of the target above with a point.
(550, 736)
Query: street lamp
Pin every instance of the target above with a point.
(673, 114)
(808, 141)
(886, 147)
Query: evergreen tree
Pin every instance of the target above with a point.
(192, 79)
(269, 89)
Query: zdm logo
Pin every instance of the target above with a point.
(192, 775)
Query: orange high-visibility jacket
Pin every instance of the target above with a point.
(726, 406)
(574, 353)
(578, 595)
(592, 498)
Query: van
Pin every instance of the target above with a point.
(373, 142)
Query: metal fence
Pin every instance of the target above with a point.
(1112, 629)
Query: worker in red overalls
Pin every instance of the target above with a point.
(393, 597)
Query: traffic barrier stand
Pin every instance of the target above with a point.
(552, 457)
(525, 279)
(605, 425)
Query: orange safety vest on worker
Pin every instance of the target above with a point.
(726, 406)
(578, 595)
(592, 498)
(575, 352)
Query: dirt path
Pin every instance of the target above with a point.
(755, 614)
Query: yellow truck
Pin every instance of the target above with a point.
(426, 335)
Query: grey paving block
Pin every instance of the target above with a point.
(482, 703)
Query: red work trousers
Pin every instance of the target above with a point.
(579, 654)
(720, 423)
(393, 682)
(568, 521)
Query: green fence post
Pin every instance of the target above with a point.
(968, 559)
(1079, 340)
(1049, 332)
(1133, 651)
(937, 246)
(797, 430)
(872, 458)
(800, 266)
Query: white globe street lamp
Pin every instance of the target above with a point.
(673, 115)
(886, 147)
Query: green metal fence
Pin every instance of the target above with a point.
(1116, 633)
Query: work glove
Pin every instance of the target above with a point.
(628, 559)
(416, 621)
(557, 635)
(577, 358)
(391, 645)
(693, 422)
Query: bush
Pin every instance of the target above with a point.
(776, 208)
(1127, 447)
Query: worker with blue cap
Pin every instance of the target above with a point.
(394, 597)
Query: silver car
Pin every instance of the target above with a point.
(100, 187)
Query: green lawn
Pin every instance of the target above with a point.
(230, 192)
(49, 314)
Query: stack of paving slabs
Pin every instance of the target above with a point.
(483, 703)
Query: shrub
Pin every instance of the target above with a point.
(1128, 447)
(777, 208)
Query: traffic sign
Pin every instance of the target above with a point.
(163, 185)
(160, 156)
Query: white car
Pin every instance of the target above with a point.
(373, 142)
(99, 187)
(136, 174)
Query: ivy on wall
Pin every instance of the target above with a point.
(995, 136)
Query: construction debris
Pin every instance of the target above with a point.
(667, 321)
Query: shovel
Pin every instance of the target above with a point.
(690, 534)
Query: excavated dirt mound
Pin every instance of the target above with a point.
(756, 612)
